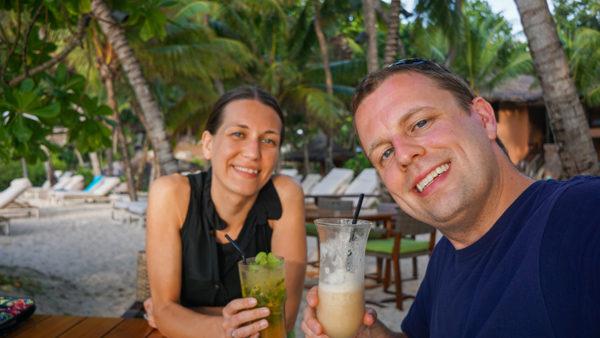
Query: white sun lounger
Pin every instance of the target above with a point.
(367, 182)
(10, 207)
(334, 183)
(99, 193)
(309, 182)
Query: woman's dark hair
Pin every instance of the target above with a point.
(215, 119)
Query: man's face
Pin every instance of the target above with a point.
(436, 160)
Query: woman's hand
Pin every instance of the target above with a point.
(241, 319)
(149, 313)
(311, 326)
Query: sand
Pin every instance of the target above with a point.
(76, 260)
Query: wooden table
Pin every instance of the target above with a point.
(69, 326)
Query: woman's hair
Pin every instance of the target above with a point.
(215, 119)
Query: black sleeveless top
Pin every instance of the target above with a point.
(210, 275)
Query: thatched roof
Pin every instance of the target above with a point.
(520, 89)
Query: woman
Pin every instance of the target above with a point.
(192, 268)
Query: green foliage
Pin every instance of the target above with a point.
(47, 100)
(13, 169)
(87, 174)
(358, 163)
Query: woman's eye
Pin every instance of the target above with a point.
(268, 141)
(238, 134)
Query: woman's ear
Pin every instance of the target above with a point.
(207, 140)
(485, 113)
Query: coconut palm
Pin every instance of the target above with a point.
(566, 114)
(116, 36)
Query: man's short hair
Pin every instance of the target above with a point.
(441, 75)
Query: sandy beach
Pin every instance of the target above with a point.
(76, 260)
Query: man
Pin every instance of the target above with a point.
(519, 258)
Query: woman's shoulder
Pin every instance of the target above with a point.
(287, 188)
(170, 186)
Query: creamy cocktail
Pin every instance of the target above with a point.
(341, 275)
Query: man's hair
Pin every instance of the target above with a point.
(444, 78)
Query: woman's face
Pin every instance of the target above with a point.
(244, 150)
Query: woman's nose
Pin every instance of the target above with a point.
(252, 149)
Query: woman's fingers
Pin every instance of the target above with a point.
(248, 316)
(312, 297)
(149, 312)
(237, 305)
(250, 329)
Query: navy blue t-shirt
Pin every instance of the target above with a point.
(535, 273)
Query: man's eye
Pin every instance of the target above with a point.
(386, 154)
(421, 124)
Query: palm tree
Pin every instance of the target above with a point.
(116, 36)
(371, 30)
(391, 39)
(566, 114)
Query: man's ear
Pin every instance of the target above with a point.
(485, 113)
(207, 145)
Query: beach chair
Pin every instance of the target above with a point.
(130, 211)
(75, 183)
(334, 183)
(367, 182)
(309, 182)
(142, 289)
(10, 207)
(402, 243)
(99, 193)
(291, 172)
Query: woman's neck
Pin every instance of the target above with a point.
(231, 207)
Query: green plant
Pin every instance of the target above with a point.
(358, 163)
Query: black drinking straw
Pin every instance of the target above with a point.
(356, 212)
(237, 247)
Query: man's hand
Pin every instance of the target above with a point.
(312, 328)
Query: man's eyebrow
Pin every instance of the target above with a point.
(402, 119)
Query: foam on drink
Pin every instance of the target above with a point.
(341, 305)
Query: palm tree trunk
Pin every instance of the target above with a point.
(391, 39)
(116, 36)
(24, 168)
(567, 117)
(326, 69)
(118, 130)
(371, 29)
(95, 164)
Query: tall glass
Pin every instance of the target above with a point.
(266, 283)
(341, 275)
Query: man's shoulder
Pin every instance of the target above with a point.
(580, 197)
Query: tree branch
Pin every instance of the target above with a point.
(14, 45)
(37, 13)
(75, 41)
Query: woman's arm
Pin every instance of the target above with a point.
(167, 208)
(289, 242)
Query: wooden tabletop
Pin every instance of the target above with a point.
(69, 326)
(367, 214)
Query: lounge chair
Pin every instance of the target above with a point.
(292, 172)
(130, 211)
(309, 182)
(334, 183)
(367, 182)
(9, 207)
(99, 193)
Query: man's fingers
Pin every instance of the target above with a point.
(309, 333)
(370, 317)
(312, 297)
(238, 304)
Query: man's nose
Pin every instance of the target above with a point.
(407, 150)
